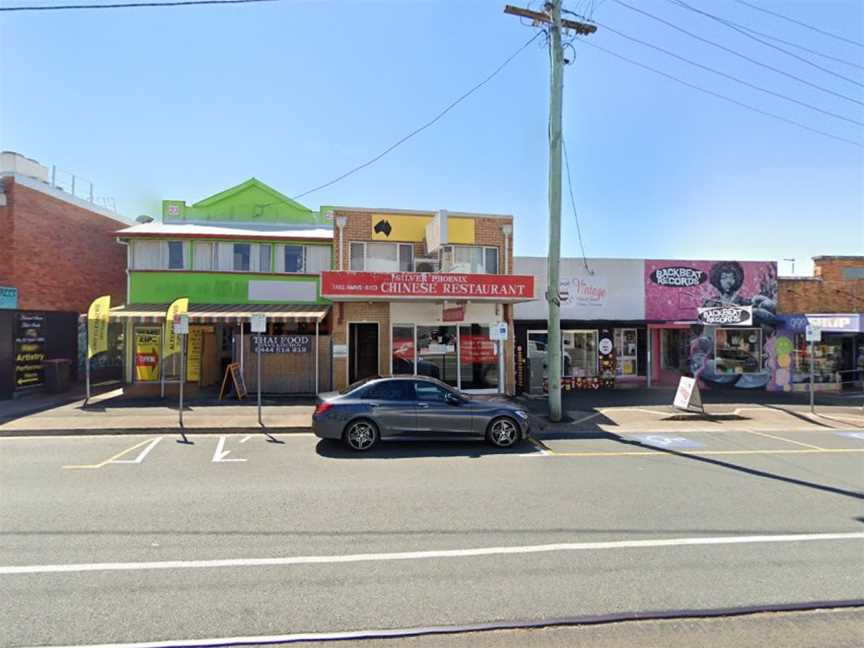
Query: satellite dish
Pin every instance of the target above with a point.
(144, 219)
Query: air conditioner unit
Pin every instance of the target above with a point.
(425, 264)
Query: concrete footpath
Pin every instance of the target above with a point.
(619, 412)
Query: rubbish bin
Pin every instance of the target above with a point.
(57, 371)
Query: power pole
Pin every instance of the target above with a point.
(551, 19)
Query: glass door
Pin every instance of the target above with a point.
(437, 355)
(478, 358)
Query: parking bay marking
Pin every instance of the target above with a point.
(221, 453)
(151, 443)
(420, 555)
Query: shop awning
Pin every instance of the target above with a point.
(231, 313)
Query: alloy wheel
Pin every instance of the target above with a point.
(361, 436)
(503, 433)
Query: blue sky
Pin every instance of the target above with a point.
(181, 103)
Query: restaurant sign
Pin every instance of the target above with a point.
(429, 285)
(281, 343)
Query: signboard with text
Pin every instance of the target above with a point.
(726, 315)
(429, 285)
(8, 297)
(281, 343)
(29, 351)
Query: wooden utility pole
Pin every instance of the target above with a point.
(551, 19)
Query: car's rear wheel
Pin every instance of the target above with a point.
(361, 435)
(503, 432)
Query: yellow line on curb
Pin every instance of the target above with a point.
(660, 453)
(779, 438)
(110, 459)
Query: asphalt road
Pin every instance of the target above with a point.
(112, 539)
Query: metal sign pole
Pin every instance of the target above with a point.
(258, 341)
(87, 399)
(182, 374)
(812, 395)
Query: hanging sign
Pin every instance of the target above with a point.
(258, 323)
(726, 315)
(281, 343)
(498, 331)
(687, 397)
(97, 325)
(605, 346)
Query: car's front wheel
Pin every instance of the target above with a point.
(361, 435)
(503, 432)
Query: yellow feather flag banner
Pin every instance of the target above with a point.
(97, 325)
(172, 341)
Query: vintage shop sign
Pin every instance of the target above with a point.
(385, 285)
(281, 343)
(726, 315)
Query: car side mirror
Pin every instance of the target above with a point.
(452, 399)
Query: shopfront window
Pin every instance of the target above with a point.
(403, 349)
(826, 359)
(580, 354)
(478, 358)
(738, 350)
(625, 352)
(675, 350)
(175, 255)
(293, 258)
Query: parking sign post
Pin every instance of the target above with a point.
(812, 334)
(258, 325)
(181, 329)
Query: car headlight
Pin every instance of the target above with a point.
(521, 414)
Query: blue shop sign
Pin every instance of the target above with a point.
(8, 298)
(828, 322)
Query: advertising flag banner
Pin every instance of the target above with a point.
(97, 325)
(172, 340)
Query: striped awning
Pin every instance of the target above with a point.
(224, 313)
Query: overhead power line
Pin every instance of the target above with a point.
(722, 96)
(754, 86)
(126, 5)
(744, 31)
(420, 129)
(798, 22)
(740, 55)
(573, 205)
(750, 30)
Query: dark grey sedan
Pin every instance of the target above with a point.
(415, 407)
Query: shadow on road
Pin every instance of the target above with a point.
(419, 450)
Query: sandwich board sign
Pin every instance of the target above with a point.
(687, 397)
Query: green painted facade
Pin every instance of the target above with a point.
(158, 287)
(249, 202)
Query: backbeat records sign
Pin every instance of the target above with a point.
(29, 351)
(726, 315)
(433, 285)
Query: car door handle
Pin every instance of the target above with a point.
(423, 405)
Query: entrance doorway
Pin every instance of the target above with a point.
(362, 351)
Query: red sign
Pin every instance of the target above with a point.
(431, 285)
(456, 314)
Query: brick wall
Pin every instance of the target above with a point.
(361, 312)
(7, 232)
(62, 255)
(826, 292)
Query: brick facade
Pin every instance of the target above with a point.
(487, 232)
(58, 254)
(826, 292)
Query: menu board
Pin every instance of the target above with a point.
(29, 351)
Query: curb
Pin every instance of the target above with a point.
(162, 430)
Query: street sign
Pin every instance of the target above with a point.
(181, 324)
(813, 334)
(258, 323)
(498, 331)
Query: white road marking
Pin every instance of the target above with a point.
(220, 454)
(140, 457)
(584, 418)
(245, 438)
(421, 555)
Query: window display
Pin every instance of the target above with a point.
(738, 350)
(826, 360)
(625, 352)
(580, 354)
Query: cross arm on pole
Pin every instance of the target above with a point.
(541, 17)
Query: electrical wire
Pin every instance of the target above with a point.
(734, 78)
(802, 24)
(744, 28)
(573, 204)
(721, 96)
(739, 54)
(126, 5)
(420, 129)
